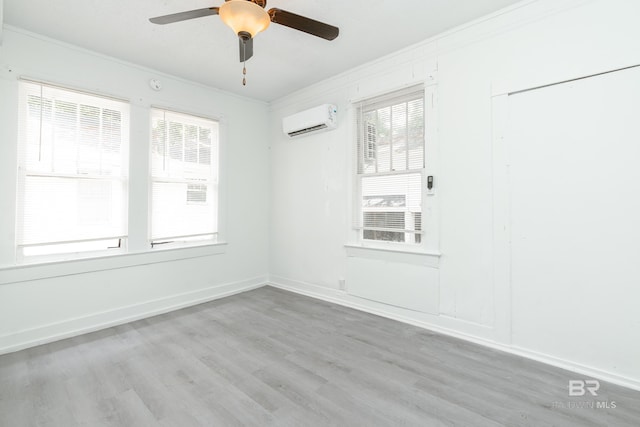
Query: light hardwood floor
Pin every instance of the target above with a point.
(270, 357)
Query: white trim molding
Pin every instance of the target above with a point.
(438, 323)
(81, 325)
(427, 259)
(1, 20)
(27, 272)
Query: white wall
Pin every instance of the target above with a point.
(40, 303)
(534, 43)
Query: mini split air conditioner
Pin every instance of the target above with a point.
(321, 118)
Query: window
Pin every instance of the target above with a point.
(72, 180)
(184, 175)
(391, 167)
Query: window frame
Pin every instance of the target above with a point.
(429, 235)
(188, 240)
(118, 240)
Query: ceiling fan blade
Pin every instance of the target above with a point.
(183, 16)
(301, 23)
(246, 49)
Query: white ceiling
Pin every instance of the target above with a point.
(206, 51)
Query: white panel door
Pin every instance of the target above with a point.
(574, 152)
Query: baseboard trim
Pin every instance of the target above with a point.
(81, 325)
(342, 298)
(466, 330)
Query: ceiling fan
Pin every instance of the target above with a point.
(248, 17)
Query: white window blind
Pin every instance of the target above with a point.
(184, 175)
(390, 171)
(72, 194)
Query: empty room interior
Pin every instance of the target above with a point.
(309, 213)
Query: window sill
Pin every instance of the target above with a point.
(27, 272)
(428, 259)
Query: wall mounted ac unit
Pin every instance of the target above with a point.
(320, 118)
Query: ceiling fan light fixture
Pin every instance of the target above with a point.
(244, 17)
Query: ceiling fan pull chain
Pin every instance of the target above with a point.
(244, 64)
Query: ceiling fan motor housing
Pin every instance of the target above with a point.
(261, 3)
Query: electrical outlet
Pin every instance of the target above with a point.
(342, 284)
